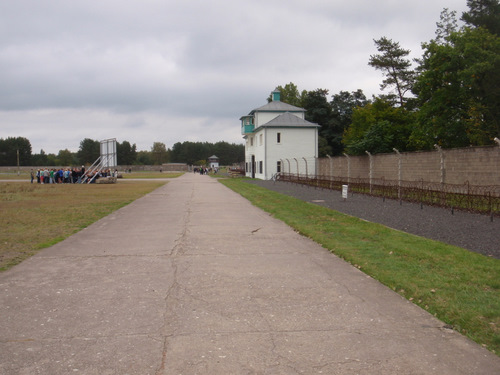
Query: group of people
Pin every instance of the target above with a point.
(67, 175)
(204, 170)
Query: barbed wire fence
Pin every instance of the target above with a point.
(466, 197)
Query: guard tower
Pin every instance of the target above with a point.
(213, 161)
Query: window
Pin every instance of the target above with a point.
(260, 139)
(278, 138)
(251, 141)
(260, 167)
(278, 166)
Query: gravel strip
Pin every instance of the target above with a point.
(473, 232)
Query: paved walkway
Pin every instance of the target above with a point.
(192, 279)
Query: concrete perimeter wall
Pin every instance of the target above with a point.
(170, 167)
(477, 165)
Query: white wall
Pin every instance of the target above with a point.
(262, 118)
(295, 143)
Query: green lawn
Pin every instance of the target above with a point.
(459, 287)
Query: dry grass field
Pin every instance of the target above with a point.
(35, 216)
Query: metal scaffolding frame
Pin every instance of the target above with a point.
(107, 159)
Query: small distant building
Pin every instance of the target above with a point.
(277, 133)
(213, 161)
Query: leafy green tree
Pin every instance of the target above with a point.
(446, 26)
(179, 153)
(378, 127)
(126, 153)
(319, 111)
(192, 152)
(144, 158)
(379, 138)
(290, 94)
(65, 158)
(343, 105)
(483, 13)
(89, 151)
(201, 163)
(9, 149)
(227, 153)
(39, 159)
(52, 160)
(333, 117)
(324, 148)
(396, 67)
(159, 153)
(458, 89)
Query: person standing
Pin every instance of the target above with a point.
(32, 174)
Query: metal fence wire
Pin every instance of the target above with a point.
(466, 197)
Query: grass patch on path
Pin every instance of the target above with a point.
(35, 216)
(459, 287)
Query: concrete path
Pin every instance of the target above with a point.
(192, 279)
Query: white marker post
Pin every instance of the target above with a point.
(345, 189)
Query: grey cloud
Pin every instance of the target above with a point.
(142, 66)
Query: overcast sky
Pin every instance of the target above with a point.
(184, 70)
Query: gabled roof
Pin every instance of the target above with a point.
(278, 106)
(289, 120)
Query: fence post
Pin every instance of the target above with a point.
(441, 155)
(297, 162)
(307, 174)
(399, 173)
(330, 177)
(371, 169)
(469, 199)
(289, 170)
(331, 166)
(348, 167)
(443, 170)
(490, 206)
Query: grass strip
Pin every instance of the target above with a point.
(459, 287)
(35, 216)
(24, 175)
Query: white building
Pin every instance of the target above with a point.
(279, 139)
(213, 161)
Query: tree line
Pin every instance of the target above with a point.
(17, 150)
(450, 99)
